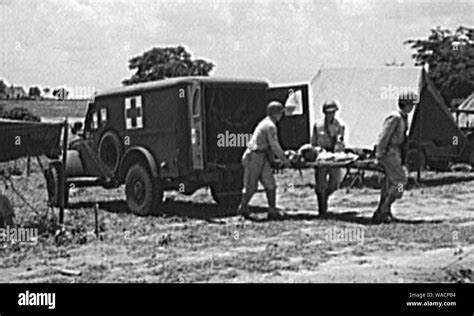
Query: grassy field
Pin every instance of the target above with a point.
(197, 241)
(49, 108)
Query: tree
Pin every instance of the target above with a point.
(46, 90)
(450, 58)
(60, 93)
(34, 92)
(160, 63)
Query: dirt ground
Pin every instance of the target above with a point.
(196, 241)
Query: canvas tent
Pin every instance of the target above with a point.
(434, 132)
(365, 95)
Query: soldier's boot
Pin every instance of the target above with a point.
(383, 196)
(243, 209)
(329, 191)
(273, 212)
(390, 201)
(322, 204)
(381, 201)
(383, 214)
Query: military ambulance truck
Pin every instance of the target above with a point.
(176, 134)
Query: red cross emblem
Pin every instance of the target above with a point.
(133, 113)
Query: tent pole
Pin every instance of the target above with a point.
(418, 171)
(62, 182)
(420, 121)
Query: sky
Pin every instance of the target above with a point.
(86, 44)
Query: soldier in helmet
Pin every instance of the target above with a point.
(390, 152)
(261, 149)
(329, 135)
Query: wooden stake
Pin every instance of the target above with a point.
(96, 214)
(28, 166)
(62, 182)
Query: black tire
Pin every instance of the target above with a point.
(110, 150)
(53, 176)
(143, 192)
(228, 191)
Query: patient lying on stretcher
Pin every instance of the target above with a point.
(309, 154)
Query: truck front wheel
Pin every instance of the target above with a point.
(143, 192)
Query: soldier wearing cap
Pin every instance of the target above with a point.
(390, 152)
(261, 149)
(329, 135)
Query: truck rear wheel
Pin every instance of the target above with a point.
(228, 191)
(143, 192)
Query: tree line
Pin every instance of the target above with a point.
(33, 92)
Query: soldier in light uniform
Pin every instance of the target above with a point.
(391, 152)
(262, 148)
(329, 135)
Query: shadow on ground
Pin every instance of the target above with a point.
(210, 211)
(449, 179)
(355, 217)
(373, 182)
(188, 209)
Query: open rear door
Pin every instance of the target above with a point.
(293, 129)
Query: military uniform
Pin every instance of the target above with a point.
(262, 146)
(327, 136)
(389, 152)
(261, 149)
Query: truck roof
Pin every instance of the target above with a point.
(167, 83)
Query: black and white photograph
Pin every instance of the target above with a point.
(239, 142)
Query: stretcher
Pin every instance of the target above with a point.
(355, 163)
(351, 178)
